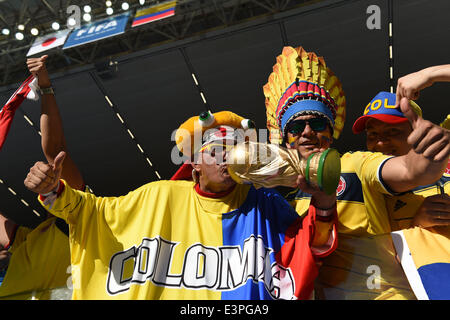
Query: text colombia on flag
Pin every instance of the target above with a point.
(49, 41)
(154, 13)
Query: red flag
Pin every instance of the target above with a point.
(184, 172)
(26, 90)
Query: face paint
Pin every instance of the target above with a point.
(325, 139)
(291, 140)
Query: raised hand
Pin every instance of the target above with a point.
(36, 66)
(43, 177)
(410, 85)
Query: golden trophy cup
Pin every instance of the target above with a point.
(268, 165)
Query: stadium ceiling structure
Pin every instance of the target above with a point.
(19, 19)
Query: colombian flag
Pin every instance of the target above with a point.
(425, 258)
(154, 13)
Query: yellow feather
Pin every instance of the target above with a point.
(297, 63)
(278, 79)
(315, 68)
(323, 74)
(280, 71)
(287, 78)
(291, 58)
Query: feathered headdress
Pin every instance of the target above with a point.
(301, 83)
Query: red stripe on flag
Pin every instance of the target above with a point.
(8, 111)
(297, 254)
(153, 18)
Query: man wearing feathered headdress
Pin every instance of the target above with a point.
(305, 106)
(208, 238)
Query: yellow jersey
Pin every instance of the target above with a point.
(164, 240)
(403, 207)
(40, 262)
(364, 265)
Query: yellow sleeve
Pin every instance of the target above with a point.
(19, 237)
(367, 166)
(73, 205)
(39, 263)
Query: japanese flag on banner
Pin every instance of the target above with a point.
(27, 90)
(48, 42)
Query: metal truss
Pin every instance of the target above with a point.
(193, 17)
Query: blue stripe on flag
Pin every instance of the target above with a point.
(436, 280)
(153, 14)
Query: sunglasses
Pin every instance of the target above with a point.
(316, 124)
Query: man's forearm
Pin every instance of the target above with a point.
(424, 171)
(53, 140)
(439, 73)
(407, 172)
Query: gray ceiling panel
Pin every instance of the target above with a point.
(155, 95)
(13, 208)
(95, 138)
(421, 34)
(233, 68)
(20, 151)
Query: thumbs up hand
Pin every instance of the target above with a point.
(43, 177)
(428, 139)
